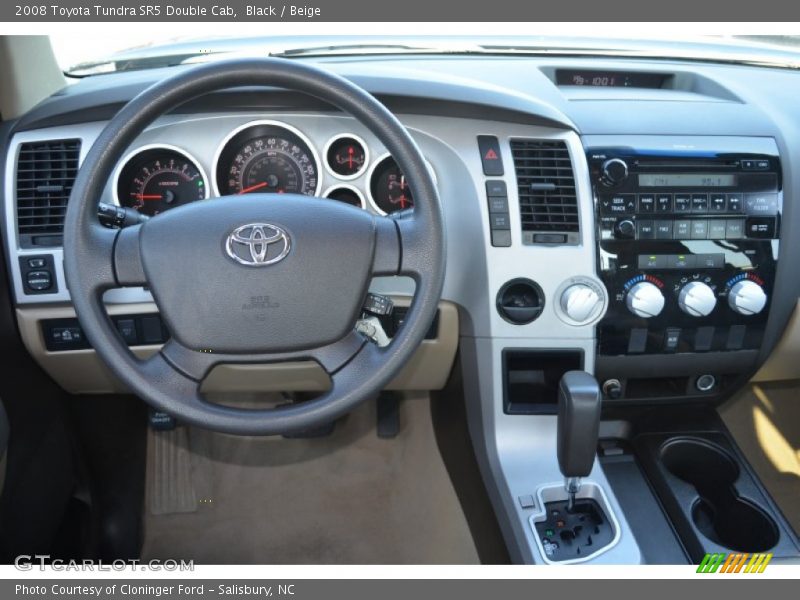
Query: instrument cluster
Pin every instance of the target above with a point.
(264, 157)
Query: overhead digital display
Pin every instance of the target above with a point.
(615, 79)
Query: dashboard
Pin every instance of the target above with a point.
(601, 214)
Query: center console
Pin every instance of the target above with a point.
(687, 236)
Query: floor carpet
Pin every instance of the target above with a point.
(349, 498)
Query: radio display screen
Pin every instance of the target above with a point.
(687, 180)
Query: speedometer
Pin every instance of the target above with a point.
(269, 158)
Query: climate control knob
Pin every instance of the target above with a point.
(580, 302)
(645, 300)
(614, 171)
(747, 297)
(697, 299)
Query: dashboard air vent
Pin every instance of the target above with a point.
(45, 173)
(546, 186)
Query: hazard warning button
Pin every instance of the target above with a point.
(492, 162)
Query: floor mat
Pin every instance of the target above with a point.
(765, 421)
(349, 498)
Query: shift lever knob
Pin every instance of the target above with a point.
(578, 425)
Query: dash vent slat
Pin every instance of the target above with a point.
(546, 186)
(46, 171)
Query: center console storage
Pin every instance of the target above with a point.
(530, 379)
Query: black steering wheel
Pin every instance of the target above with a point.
(255, 278)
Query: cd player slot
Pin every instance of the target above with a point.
(694, 164)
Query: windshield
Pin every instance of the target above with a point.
(132, 51)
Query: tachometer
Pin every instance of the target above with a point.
(268, 158)
(158, 178)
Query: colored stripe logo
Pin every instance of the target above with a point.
(737, 562)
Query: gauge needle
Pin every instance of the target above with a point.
(255, 187)
(148, 196)
(403, 187)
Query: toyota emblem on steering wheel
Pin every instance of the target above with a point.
(258, 244)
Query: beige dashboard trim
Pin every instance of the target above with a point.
(82, 371)
(784, 362)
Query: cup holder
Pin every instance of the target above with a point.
(719, 513)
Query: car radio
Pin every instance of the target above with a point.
(688, 245)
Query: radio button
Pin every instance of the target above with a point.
(663, 230)
(615, 171)
(700, 203)
(716, 229)
(760, 227)
(748, 165)
(734, 229)
(683, 203)
(647, 203)
(682, 230)
(762, 165)
(761, 204)
(734, 203)
(644, 230)
(718, 203)
(700, 229)
(664, 203)
(625, 230)
(622, 204)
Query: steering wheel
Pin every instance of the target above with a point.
(256, 278)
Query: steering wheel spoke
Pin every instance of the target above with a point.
(415, 253)
(388, 247)
(113, 259)
(128, 257)
(98, 261)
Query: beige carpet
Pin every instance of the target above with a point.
(765, 421)
(350, 498)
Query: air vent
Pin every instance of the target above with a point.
(546, 186)
(45, 173)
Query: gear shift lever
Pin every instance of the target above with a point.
(578, 424)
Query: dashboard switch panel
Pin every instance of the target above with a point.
(38, 274)
(136, 330)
